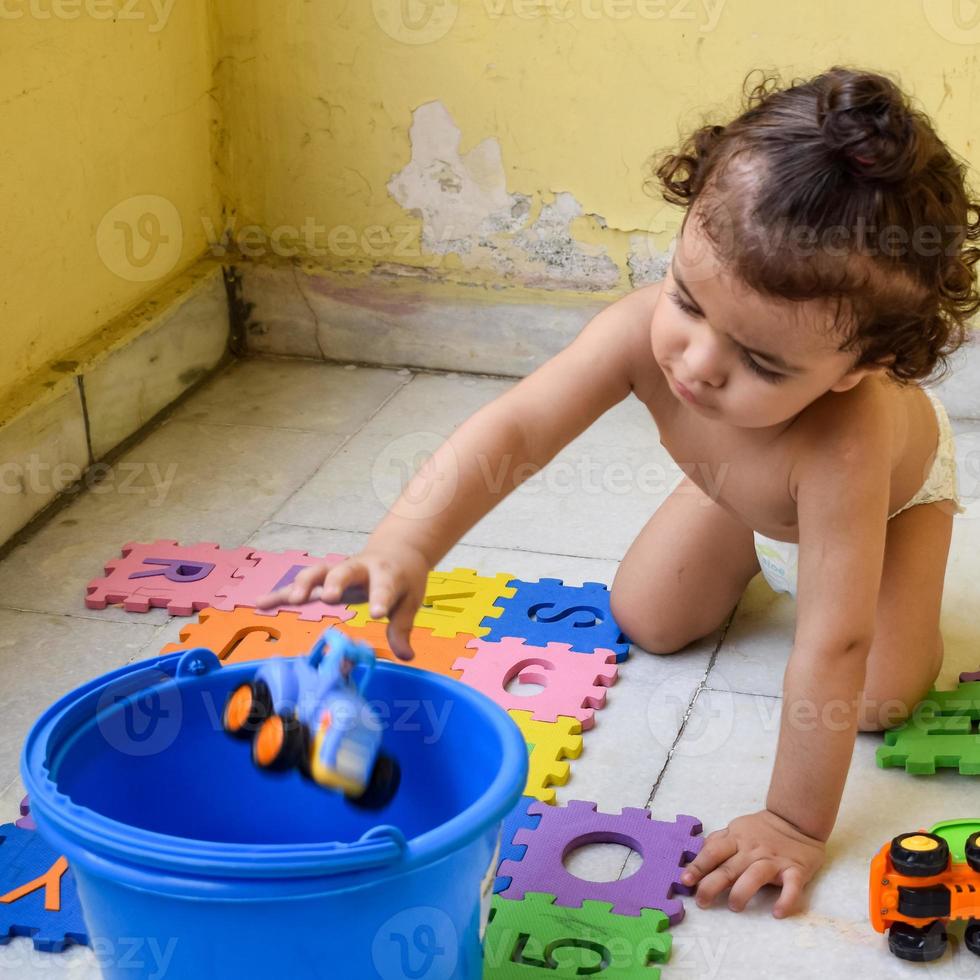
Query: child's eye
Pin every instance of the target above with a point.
(681, 304)
(771, 376)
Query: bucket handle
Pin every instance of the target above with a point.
(381, 845)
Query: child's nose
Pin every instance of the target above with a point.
(703, 363)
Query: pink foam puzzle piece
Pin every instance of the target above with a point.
(273, 570)
(184, 578)
(574, 683)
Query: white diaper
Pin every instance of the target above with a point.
(779, 559)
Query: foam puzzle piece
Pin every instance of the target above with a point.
(664, 847)
(183, 578)
(516, 820)
(274, 570)
(549, 743)
(242, 634)
(38, 897)
(942, 733)
(964, 699)
(537, 938)
(924, 744)
(550, 611)
(26, 821)
(967, 678)
(454, 602)
(573, 685)
(436, 653)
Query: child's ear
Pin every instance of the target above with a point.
(852, 377)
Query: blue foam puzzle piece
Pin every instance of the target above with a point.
(517, 819)
(24, 856)
(548, 611)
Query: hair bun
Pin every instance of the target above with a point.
(867, 126)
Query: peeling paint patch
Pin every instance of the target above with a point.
(454, 195)
(466, 209)
(646, 262)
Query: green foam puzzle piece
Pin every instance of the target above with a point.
(962, 700)
(927, 742)
(536, 938)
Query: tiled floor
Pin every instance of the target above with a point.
(285, 454)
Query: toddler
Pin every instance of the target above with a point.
(824, 267)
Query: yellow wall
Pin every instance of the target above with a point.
(298, 115)
(105, 118)
(576, 97)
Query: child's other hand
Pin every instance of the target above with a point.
(391, 580)
(755, 850)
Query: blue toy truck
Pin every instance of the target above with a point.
(309, 713)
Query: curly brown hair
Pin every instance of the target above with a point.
(838, 188)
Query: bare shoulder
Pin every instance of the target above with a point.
(625, 324)
(845, 430)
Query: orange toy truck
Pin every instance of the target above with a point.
(922, 880)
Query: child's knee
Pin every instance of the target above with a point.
(642, 625)
(889, 702)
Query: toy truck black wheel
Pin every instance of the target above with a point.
(384, 784)
(919, 855)
(972, 850)
(929, 902)
(971, 938)
(920, 945)
(279, 743)
(246, 708)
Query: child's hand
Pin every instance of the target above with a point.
(392, 580)
(753, 851)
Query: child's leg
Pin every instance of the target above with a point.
(684, 573)
(907, 651)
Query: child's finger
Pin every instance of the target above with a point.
(718, 847)
(400, 629)
(715, 882)
(341, 577)
(381, 594)
(299, 589)
(789, 898)
(756, 875)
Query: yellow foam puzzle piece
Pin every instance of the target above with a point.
(549, 742)
(454, 602)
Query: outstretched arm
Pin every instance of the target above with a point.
(485, 459)
(842, 493)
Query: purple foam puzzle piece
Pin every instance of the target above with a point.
(968, 677)
(664, 846)
(517, 819)
(26, 821)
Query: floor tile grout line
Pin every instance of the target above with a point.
(463, 544)
(391, 395)
(683, 725)
(744, 694)
(3, 792)
(92, 618)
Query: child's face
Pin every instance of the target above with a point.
(704, 323)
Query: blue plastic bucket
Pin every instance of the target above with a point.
(192, 863)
